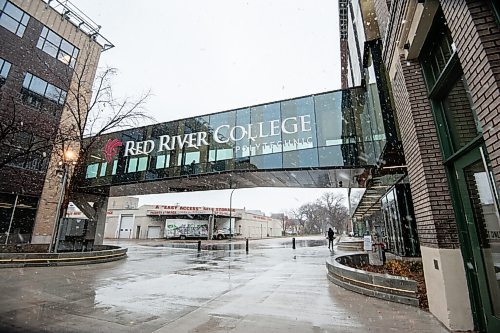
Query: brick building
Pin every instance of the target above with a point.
(47, 48)
(441, 62)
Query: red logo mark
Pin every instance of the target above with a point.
(111, 149)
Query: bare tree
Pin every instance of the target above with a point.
(335, 210)
(19, 145)
(91, 114)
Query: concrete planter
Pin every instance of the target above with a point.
(101, 253)
(384, 286)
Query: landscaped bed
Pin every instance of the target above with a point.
(409, 269)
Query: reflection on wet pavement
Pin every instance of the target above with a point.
(178, 289)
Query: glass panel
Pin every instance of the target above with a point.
(459, 115)
(92, 170)
(67, 47)
(20, 30)
(300, 158)
(220, 155)
(63, 97)
(13, 11)
(5, 69)
(44, 33)
(53, 93)
(265, 133)
(27, 80)
(299, 124)
(143, 163)
(2, 4)
(64, 57)
(242, 147)
(190, 158)
(115, 165)
(38, 86)
(331, 122)
(25, 20)
(9, 23)
(437, 52)
(331, 156)
(272, 161)
(104, 166)
(54, 39)
(50, 49)
(132, 165)
(486, 217)
(160, 161)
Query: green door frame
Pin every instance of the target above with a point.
(469, 239)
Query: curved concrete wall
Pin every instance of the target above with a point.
(383, 286)
(102, 253)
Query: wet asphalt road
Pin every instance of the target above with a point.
(160, 288)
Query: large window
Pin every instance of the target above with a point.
(58, 47)
(12, 18)
(42, 88)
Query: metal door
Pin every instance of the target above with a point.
(126, 225)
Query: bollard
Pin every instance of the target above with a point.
(199, 246)
(246, 244)
(293, 243)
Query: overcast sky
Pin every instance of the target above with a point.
(204, 56)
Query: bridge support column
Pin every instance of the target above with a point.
(101, 208)
(96, 212)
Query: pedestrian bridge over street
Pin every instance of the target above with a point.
(333, 139)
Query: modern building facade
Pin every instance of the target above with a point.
(46, 49)
(441, 66)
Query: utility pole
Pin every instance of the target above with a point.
(231, 212)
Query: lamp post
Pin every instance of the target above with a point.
(64, 169)
(231, 212)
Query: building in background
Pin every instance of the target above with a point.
(127, 220)
(439, 61)
(46, 48)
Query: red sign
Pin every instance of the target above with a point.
(110, 150)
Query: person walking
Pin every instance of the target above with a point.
(330, 239)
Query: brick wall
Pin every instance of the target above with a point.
(433, 209)
(477, 39)
(431, 198)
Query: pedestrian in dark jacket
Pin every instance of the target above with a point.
(330, 238)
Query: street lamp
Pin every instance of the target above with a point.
(68, 157)
(231, 212)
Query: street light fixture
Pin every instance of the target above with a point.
(231, 212)
(68, 157)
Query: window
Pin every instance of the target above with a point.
(44, 89)
(137, 164)
(162, 161)
(56, 46)
(12, 18)
(104, 166)
(4, 68)
(92, 170)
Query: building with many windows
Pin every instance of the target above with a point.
(46, 48)
(439, 62)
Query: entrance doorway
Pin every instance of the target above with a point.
(481, 219)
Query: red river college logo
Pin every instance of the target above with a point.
(110, 150)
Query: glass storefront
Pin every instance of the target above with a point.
(399, 228)
(17, 218)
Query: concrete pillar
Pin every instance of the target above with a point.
(101, 209)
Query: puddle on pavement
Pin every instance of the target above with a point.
(242, 246)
